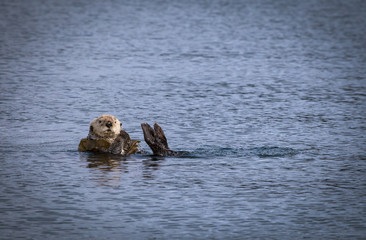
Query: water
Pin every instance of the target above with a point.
(267, 97)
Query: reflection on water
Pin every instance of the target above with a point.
(108, 169)
(113, 167)
(117, 165)
(103, 161)
(151, 165)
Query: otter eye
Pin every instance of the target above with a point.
(100, 121)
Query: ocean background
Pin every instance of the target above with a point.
(268, 97)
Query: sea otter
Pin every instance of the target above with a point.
(106, 135)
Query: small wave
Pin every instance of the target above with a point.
(264, 151)
(273, 151)
(217, 152)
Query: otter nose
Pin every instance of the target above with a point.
(109, 124)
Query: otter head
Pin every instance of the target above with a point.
(106, 126)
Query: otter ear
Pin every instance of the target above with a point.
(120, 124)
(91, 128)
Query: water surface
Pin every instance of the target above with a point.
(267, 97)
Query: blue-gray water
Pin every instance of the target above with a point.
(268, 97)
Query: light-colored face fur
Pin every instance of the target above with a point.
(106, 126)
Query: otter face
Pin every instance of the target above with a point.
(106, 126)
